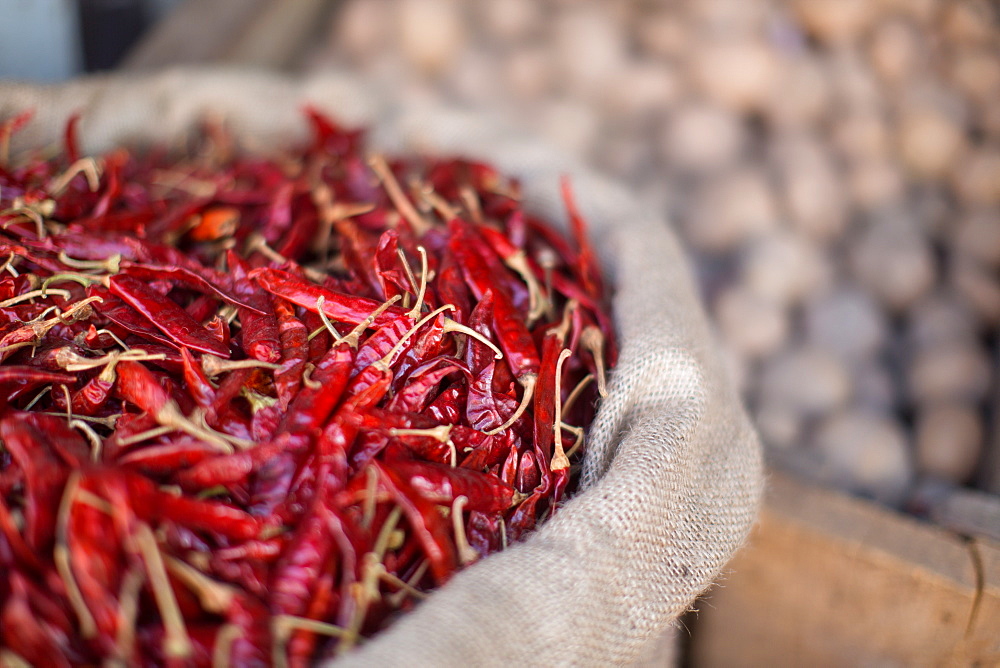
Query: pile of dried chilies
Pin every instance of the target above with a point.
(251, 409)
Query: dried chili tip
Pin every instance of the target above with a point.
(8, 128)
(214, 223)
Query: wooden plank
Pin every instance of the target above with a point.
(984, 630)
(197, 31)
(829, 580)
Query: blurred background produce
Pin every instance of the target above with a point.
(833, 166)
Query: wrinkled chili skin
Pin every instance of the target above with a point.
(255, 408)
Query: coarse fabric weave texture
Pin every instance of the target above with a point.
(672, 477)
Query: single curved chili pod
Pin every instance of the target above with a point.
(198, 385)
(337, 306)
(294, 351)
(443, 484)
(391, 275)
(258, 323)
(585, 265)
(485, 409)
(528, 476)
(512, 334)
(169, 458)
(523, 519)
(423, 384)
(450, 288)
(151, 504)
(312, 406)
(428, 525)
(185, 277)
(448, 407)
(45, 474)
(298, 568)
(166, 316)
(483, 531)
(17, 380)
(138, 385)
(479, 451)
(229, 469)
(123, 315)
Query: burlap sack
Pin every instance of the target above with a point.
(672, 476)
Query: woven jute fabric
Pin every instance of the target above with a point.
(672, 477)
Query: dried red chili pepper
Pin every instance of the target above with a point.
(336, 306)
(166, 316)
(314, 482)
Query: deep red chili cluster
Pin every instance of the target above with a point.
(253, 408)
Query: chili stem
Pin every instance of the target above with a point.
(282, 627)
(528, 382)
(92, 436)
(111, 265)
(32, 294)
(538, 302)
(559, 458)
(89, 167)
(472, 203)
(577, 391)
(8, 265)
(386, 361)
(177, 644)
(223, 647)
(395, 600)
(213, 365)
(61, 555)
(353, 337)
(382, 541)
(438, 203)
(399, 199)
(453, 326)
(466, 555)
(371, 488)
(11, 659)
(579, 433)
(128, 607)
(326, 320)
(593, 340)
(213, 596)
(404, 586)
(37, 396)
